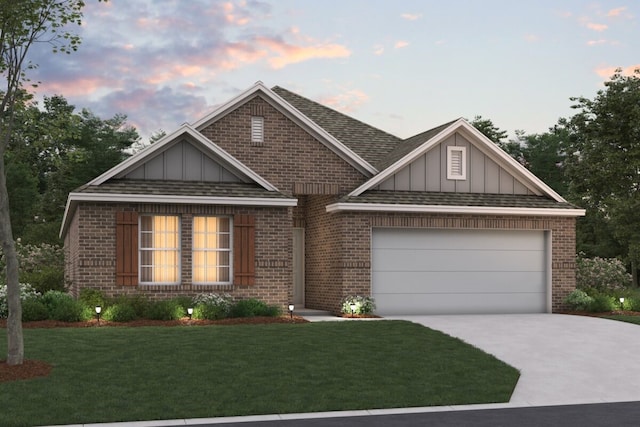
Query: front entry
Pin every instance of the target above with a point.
(298, 267)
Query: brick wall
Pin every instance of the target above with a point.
(90, 252)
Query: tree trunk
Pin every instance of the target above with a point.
(15, 354)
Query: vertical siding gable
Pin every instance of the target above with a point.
(182, 161)
(428, 173)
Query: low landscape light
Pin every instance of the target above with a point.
(98, 311)
(190, 312)
(353, 308)
(291, 307)
(621, 303)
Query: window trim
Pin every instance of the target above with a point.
(141, 249)
(451, 174)
(229, 250)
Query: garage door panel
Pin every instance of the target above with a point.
(395, 304)
(440, 239)
(439, 271)
(457, 282)
(456, 260)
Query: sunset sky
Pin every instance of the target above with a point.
(402, 66)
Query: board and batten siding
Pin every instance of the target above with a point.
(182, 162)
(429, 173)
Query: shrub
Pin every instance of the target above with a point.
(212, 306)
(603, 274)
(26, 292)
(363, 305)
(63, 307)
(33, 310)
(165, 310)
(578, 300)
(119, 313)
(139, 303)
(41, 265)
(602, 303)
(92, 297)
(253, 307)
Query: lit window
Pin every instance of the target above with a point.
(211, 250)
(257, 129)
(159, 249)
(456, 162)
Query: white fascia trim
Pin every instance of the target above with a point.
(332, 143)
(185, 129)
(196, 200)
(478, 210)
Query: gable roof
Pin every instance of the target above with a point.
(279, 103)
(423, 142)
(370, 143)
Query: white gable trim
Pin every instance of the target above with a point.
(284, 107)
(185, 129)
(532, 182)
(478, 210)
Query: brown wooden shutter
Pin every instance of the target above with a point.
(126, 248)
(244, 231)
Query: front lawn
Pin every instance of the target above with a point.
(147, 373)
(624, 318)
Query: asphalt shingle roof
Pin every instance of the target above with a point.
(370, 143)
(457, 199)
(180, 188)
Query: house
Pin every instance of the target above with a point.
(277, 197)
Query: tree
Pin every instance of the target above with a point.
(489, 130)
(22, 24)
(604, 159)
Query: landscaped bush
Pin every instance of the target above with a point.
(63, 307)
(40, 265)
(33, 310)
(602, 302)
(119, 313)
(26, 292)
(165, 310)
(603, 274)
(254, 307)
(139, 303)
(579, 300)
(363, 305)
(92, 297)
(212, 306)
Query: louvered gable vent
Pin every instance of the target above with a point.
(257, 130)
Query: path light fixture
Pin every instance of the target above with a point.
(98, 311)
(621, 303)
(190, 312)
(291, 307)
(353, 308)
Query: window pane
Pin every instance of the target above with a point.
(160, 248)
(223, 258)
(146, 223)
(223, 241)
(223, 274)
(223, 224)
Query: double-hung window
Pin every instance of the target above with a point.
(211, 250)
(159, 249)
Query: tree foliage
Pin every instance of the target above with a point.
(604, 159)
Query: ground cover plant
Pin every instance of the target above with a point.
(147, 373)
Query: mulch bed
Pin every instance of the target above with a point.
(36, 368)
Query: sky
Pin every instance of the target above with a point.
(404, 66)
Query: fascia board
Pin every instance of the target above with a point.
(283, 106)
(477, 210)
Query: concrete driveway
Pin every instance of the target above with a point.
(562, 359)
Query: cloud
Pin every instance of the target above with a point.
(378, 50)
(347, 101)
(411, 16)
(607, 72)
(614, 13)
(288, 53)
(400, 44)
(531, 38)
(596, 42)
(597, 27)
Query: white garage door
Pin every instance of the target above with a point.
(437, 271)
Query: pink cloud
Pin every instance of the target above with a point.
(378, 50)
(531, 38)
(347, 101)
(411, 16)
(400, 44)
(616, 12)
(287, 53)
(75, 87)
(596, 42)
(597, 27)
(607, 72)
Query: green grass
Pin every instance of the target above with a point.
(624, 318)
(147, 373)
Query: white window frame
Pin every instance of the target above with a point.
(257, 130)
(453, 151)
(142, 250)
(206, 250)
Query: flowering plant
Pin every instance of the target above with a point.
(26, 292)
(362, 305)
(602, 274)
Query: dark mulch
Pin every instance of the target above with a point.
(606, 313)
(35, 368)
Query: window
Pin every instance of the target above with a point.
(257, 130)
(456, 163)
(211, 250)
(159, 249)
